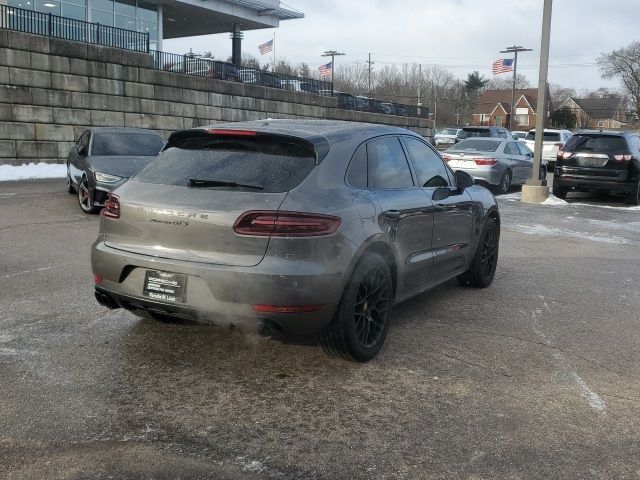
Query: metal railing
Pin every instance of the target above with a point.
(30, 21)
(207, 67)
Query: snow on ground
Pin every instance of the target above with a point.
(553, 200)
(544, 230)
(32, 171)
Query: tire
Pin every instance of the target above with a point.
(358, 329)
(543, 173)
(505, 183)
(558, 191)
(84, 197)
(633, 197)
(485, 260)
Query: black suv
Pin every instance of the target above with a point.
(496, 132)
(599, 160)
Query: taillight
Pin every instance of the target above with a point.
(237, 133)
(485, 161)
(559, 145)
(446, 158)
(285, 224)
(622, 158)
(111, 207)
(562, 155)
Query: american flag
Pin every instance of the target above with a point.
(325, 70)
(266, 47)
(502, 65)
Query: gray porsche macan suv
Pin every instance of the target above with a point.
(297, 226)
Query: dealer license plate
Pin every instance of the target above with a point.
(164, 286)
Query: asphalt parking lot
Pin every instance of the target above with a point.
(536, 377)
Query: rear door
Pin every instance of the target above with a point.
(184, 204)
(520, 167)
(407, 216)
(527, 158)
(453, 220)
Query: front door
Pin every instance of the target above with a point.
(407, 216)
(453, 217)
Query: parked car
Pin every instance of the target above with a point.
(363, 104)
(599, 160)
(299, 86)
(499, 163)
(298, 226)
(347, 101)
(104, 158)
(446, 137)
(401, 110)
(518, 135)
(253, 76)
(205, 67)
(493, 132)
(552, 141)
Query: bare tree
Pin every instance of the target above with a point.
(559, 93)
(624, 64)
(505, 82)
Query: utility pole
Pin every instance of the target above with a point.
(370, 68)
(333, 54)
(420, 87)
(435, 107)
(536, 190)
(515, 49)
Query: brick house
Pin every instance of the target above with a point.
(606, 112)
(493, 107)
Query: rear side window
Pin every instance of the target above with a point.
(261, 164)
(511, 148)
(388, 167)
(133, 144)
(524, 150)
(597, 143)
(357, 173)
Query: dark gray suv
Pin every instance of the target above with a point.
(295, 226)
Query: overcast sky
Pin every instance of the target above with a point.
(460, 35)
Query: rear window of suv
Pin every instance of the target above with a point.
(262, 164)
(596, 143)
(546, 136)
(474, 132)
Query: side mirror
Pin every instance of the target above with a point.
(463, 179)
(82, 150)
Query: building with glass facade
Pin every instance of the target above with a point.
(167, 19)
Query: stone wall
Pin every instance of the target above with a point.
(51, 89)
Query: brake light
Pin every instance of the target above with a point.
(446, 158)
(485, 161)
(622, 158)
(287, 308)
(111, 207)
(559, 145)
(238, 133)
(97, 279)
(562, 155)
(285, 224)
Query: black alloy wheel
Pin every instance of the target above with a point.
(485, 260)
(361, 321)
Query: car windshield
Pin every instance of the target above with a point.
(134, 144)
(474, 132)
(268, 162)
(546, 136)
(596, 143)
(448, 131)
(476, 146)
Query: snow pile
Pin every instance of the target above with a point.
(538, 229)
(31, 171)
(553, 200)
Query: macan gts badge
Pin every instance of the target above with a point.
(296, 227)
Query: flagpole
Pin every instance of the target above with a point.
(273, 69)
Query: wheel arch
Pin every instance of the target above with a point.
(380, 247)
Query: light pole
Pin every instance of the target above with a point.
(536, 190)
(333, 54)
(515, 49)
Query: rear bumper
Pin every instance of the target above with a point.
(224, 294)
(588, 182)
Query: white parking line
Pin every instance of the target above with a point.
(26, 271)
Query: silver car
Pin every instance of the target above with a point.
(293, 226)
(498, 163)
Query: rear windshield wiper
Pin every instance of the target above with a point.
(203, 182)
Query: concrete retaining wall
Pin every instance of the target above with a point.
(51, 89)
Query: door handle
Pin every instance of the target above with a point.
(392, 213)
